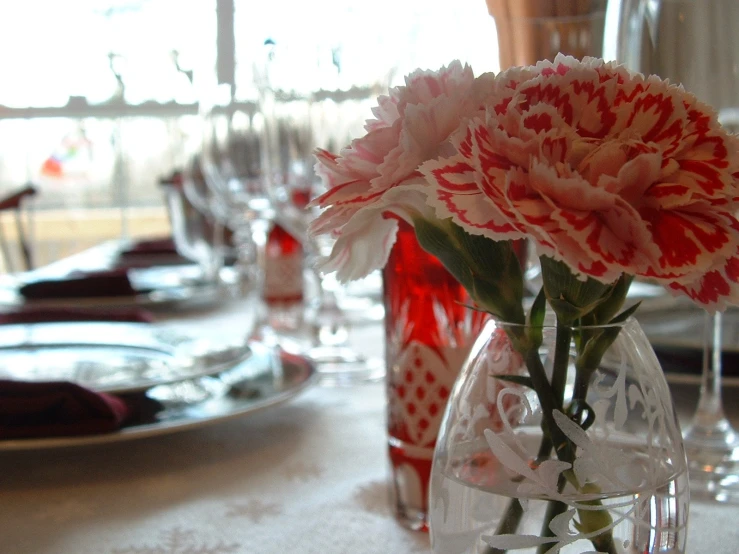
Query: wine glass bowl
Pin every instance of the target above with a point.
(233, 164)
(196, 233)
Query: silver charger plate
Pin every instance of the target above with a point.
(114, 357)
(264, 380)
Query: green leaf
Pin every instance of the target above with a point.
(607, 309)
(435, 241)
(570, 297)
(488, 269)
(566, 311)
(536, 320)
(517, 379)
(626, 314)
(538, 310)
(596, 346)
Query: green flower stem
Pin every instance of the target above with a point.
(580, 389)
(551, 397)
(559, 381)
(592, 520)
(554, 508)
(561, 362)
(589, 520)
(548, 400)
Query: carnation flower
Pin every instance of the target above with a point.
(609, 172)
(411, 126)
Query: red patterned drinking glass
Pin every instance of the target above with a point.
(429, 330)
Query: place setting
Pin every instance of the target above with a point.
(154, 287)
(140, 378)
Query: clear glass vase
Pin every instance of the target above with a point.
(559, 440)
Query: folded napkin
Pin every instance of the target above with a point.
(31, 314)
(55, 409)
(154, 246)
(149, 253)
(114, 282)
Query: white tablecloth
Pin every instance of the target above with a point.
(308, 477)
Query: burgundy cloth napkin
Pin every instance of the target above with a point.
(114, 282)
(150, 252)
(154, 246)
(55, 409)
(31, 314)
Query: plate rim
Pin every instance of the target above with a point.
(243, 408)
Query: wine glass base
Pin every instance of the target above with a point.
(711, 487)
(339, 366)
(713, 472)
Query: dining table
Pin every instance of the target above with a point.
(306, 476)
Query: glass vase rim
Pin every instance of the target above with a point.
(550, 324)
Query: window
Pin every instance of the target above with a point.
(99, 98)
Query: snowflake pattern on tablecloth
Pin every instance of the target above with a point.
(303, 471)
(254, 509)
(180, 541)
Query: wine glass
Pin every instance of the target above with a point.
(232, 161)
(292, 184)
(694, 42)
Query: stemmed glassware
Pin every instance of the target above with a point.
(232, 162)
(291, 118)
(257, 160)
(694, 42)
(711, 442)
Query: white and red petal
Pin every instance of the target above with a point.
(455, 193)
(715, 289)
(689, 241)
(363, 246)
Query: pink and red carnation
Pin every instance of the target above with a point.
(607, 171)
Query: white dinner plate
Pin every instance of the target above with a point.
(264, 380)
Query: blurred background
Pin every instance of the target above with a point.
(100, 99)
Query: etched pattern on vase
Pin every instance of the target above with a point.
(625, 476)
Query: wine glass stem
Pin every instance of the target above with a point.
(711, 405)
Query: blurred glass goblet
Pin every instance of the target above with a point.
(293, 185)
(197, 235)
(233, 167)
